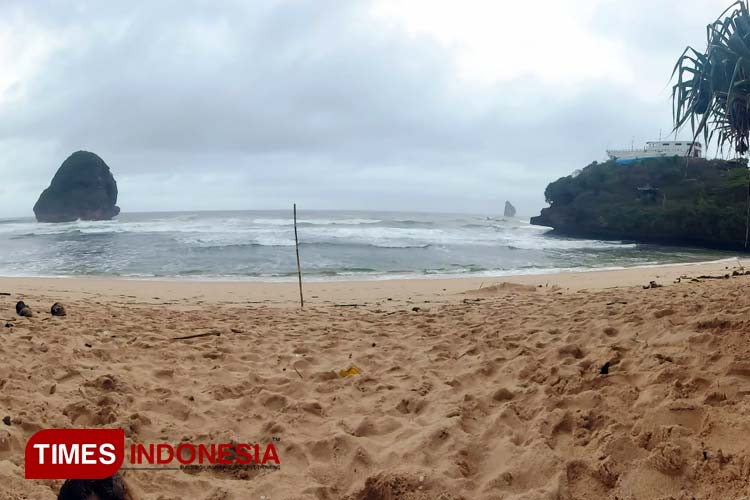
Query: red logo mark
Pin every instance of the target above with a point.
(75, 453)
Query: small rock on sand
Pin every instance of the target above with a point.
(23, 310)
(57, 309)
(502, 394)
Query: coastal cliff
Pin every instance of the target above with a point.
(83, 188)
(695, 202)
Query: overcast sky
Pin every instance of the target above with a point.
(352, 104)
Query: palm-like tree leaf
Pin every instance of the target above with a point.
(712, 91)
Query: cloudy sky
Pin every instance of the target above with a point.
(353, 104)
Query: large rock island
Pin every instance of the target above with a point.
(83, 188)
(669, 201)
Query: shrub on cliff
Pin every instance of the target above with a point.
(669, 200)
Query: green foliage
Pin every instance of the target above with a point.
(712, 92)
(700, 202)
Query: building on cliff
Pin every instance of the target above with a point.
(656, 149)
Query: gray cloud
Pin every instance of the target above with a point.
(196, 105)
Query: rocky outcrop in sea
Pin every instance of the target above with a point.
(83, 188)
(671, 201)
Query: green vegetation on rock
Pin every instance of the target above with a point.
(669, 200)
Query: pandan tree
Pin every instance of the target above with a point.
(712, 92)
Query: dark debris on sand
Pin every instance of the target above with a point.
(23, 310)
(57, 309)
(111, 488)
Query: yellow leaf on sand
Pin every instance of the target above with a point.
(352, 370)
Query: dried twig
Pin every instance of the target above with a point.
(197, 335)
(465, 353)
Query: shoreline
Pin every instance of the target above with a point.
(345, 292)
(369, 277)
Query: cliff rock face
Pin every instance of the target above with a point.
(83, 188)
(668, 201)
(510, 210)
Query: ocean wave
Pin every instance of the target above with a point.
(208, 245)
(407, 223)
(455, 270)
(393, 245)
(229, 232)
(376, 236)
(315, 222)
(186, 225)
(219, 240)
(552, 243)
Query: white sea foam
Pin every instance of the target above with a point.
(317, 222)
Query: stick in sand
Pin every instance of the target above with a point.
(299, 268)
(197, 335)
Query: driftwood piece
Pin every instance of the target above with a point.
(197, 335)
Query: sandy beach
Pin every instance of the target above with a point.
(571, 386)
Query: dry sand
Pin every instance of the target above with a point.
(473, 389)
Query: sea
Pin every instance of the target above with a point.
(333, 245)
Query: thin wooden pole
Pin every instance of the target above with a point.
(299, 268)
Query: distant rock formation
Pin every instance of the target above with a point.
(83, 188)
(510, 210)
